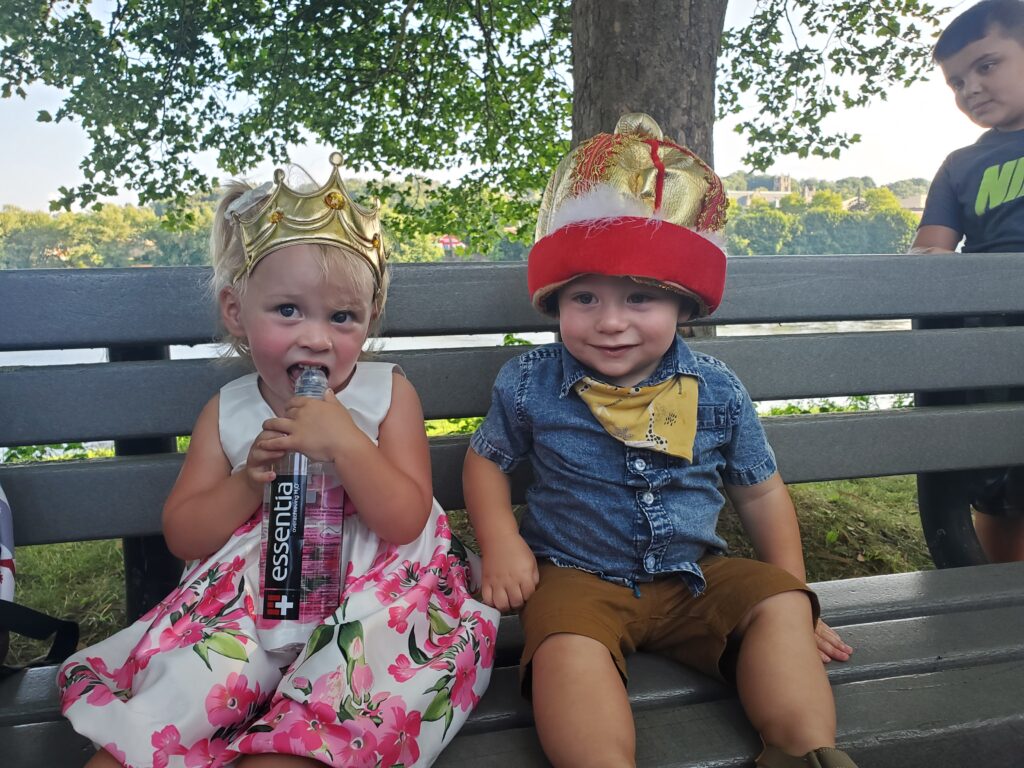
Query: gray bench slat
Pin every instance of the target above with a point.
(71, 308)
(52, 744)
(898, 443)
(786, 288)
(154, 399)
(887, 723)
(104, 307)
(29, 696)
(112, 307)
(53, 498)
(164, 397)
(923, 593)
(86, 500)
(827, 365)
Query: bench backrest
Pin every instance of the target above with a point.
(135, 313)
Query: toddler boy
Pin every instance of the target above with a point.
(628, 433)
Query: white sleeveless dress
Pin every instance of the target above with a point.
(387, 680)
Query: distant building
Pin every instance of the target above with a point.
(782, 186)
(914, 203)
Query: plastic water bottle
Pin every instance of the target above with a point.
(300, 552)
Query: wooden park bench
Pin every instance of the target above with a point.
(938, 675)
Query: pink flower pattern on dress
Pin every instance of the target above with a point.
(386, 680)
(345, 717)
(228, 704)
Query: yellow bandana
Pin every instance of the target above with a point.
(660, 418)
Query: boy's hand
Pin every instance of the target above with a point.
(830, 644)
(310, 426)
(259, 466)
(510, 574)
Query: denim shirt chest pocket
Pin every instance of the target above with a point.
(712, 429)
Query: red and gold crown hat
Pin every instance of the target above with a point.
(631, 203)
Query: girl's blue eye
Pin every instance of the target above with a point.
(287, 310)
(584, 298)
(341, 317)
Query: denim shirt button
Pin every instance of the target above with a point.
(649, 563)
(639, 465)
(647, 498)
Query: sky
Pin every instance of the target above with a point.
(906, 136)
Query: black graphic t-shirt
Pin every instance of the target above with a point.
(979, 191)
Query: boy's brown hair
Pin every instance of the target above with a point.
(977, 21)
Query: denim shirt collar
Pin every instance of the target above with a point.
(677, 360)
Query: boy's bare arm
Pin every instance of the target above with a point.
(769, 518)
(935, 238)
(767, 513)
(509, 567)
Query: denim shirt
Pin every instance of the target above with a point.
(625, 514)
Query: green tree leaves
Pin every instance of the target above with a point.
(476, 89)
(822, 227)
(393, 85)
(801, 60)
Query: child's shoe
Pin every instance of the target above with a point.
(823, 757)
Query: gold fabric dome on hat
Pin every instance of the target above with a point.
(631, 203)
(669, 180)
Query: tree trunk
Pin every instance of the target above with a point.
(653, 56)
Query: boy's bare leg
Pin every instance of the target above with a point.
(580, 705)
(781, 680)
(1002, 538)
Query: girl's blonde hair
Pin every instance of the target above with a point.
(227, 256)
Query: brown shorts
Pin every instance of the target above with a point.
(665, 619)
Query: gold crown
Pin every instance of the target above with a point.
(324, 216)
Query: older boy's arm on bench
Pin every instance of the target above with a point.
(935, 238)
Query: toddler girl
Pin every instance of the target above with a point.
(392, 674)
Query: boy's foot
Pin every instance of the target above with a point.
(823, 757)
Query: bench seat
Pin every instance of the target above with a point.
(912, 633)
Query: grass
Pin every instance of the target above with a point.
(849, 527)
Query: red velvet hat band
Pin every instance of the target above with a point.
(628, 246)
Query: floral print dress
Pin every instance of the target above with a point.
(386, 680)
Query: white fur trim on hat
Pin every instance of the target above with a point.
(601, 201)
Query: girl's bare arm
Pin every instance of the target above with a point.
(207, 502)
